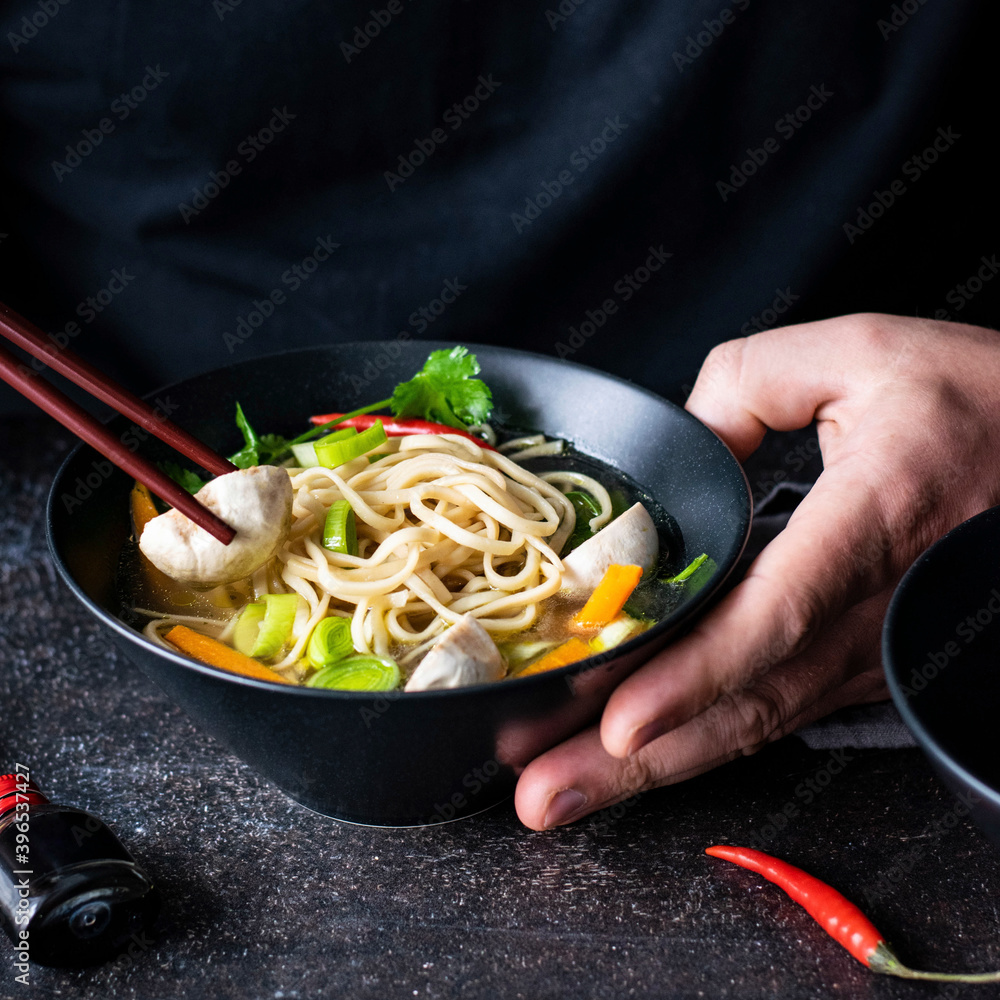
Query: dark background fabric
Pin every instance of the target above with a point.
(682, 116)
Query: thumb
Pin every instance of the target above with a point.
(833, 553)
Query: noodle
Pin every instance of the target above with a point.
(445, 528)
(446, 531)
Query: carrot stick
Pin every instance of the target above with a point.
(143, 508)
(218, 654)
(569, 652)
(609, 596)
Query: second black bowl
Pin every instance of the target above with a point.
(941, 649)
(431, 756)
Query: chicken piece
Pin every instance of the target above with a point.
(630, 539)
(465, 654)
(256, 502)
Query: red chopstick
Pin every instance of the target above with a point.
(31, 385)
(24, 334)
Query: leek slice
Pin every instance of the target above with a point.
(276, 628)
(342, 446)
(358, 673)
(339, 531)
(305, 455)
(330, 642)
(248, 627)
(614, 633)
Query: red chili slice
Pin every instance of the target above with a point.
(396, 427)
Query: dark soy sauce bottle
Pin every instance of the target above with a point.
(70, 893)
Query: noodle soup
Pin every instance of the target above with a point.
(447, 532)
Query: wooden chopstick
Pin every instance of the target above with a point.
(94, 433)
(24, 334)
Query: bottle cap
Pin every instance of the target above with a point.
(19, 790)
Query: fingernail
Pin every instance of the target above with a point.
(646, 734)
(564, 806)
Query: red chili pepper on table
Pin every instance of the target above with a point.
(395, 427)
(838, 916)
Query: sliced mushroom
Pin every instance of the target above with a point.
(256, 502)
(630, 539)
(465, 654)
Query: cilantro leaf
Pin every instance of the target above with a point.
(249, 454)
(273, 448)
(445, 391)
(189, 480)
(258, 449)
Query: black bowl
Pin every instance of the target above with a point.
(941, 650)
(426, 757)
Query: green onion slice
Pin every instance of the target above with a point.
(276, 628)
(343, 446)
(330, 642)
(358, 673)
(248, 627)
(339, 531)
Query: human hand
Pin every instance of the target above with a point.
(907, 412)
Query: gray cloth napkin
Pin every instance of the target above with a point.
(876, 726)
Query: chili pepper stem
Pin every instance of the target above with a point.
(884, 961)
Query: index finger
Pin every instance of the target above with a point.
(784, 378)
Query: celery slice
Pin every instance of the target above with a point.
(330, 642)
(339, 531)
(341, 446)
(358, 673)
(276, 628)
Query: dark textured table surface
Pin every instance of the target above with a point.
(266, 900)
